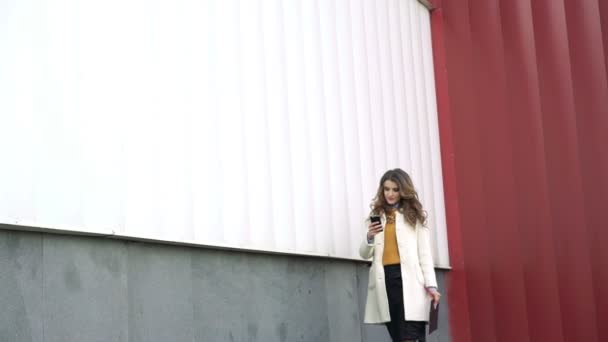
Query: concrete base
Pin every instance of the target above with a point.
(59, 288)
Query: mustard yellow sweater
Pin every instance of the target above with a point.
(391, 250)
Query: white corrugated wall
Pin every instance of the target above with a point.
(251, 124)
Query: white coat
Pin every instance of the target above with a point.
(417, 272)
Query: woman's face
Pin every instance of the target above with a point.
(391, 192)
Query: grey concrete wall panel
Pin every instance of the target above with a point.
(306, 318)
(65, 288)
(85, 290)
(255, 297)
(238, 297)
(160, 293)
(21, 301)
(369, 332)
(343, 313)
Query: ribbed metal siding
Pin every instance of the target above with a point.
(528, 104)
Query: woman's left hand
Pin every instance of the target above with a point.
(433, 293)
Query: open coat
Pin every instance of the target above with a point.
(417, 272)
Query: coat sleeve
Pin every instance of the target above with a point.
(425, 256)
(366, 250)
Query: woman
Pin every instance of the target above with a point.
(402, 277)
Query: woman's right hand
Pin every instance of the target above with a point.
(374, 228)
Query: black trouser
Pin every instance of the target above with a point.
(398, 327)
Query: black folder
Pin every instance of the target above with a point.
(433, 317)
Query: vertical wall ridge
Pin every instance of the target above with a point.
(590, 89)
(460, 324)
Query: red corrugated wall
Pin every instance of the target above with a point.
(523, 107)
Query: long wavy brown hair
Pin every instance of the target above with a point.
(409, 204)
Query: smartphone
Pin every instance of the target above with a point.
(374, 219)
